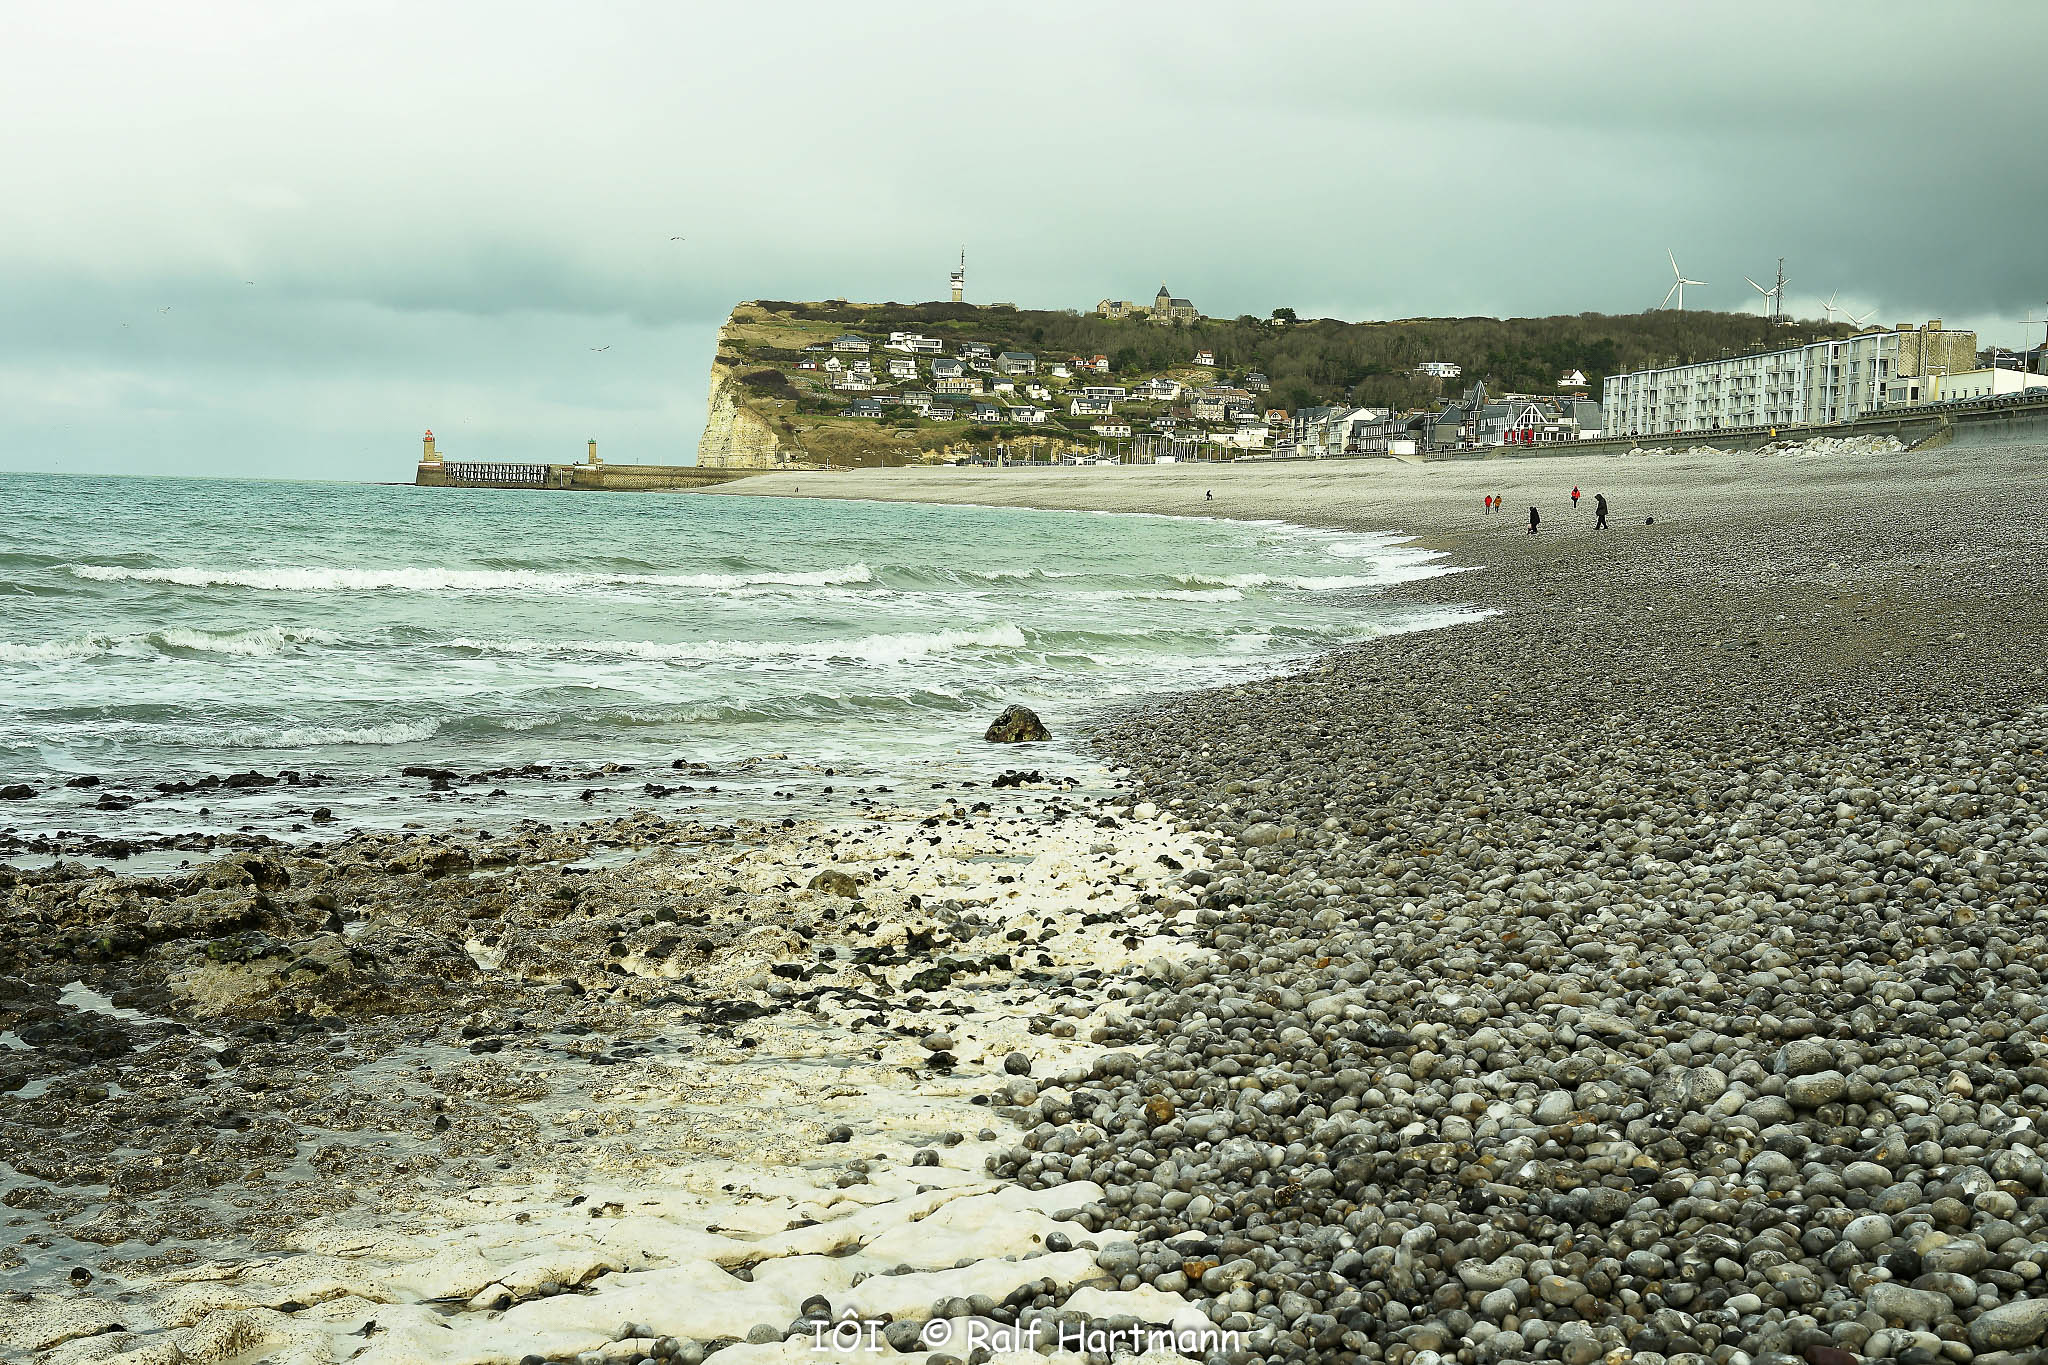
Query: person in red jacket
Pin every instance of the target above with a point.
(1575, 496)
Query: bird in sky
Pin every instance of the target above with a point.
(600, 348)
(165, 309)
(678, 239)
(248, 281)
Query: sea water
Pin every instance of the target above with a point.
(784, 652)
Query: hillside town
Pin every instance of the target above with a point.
(999, 402)
(1194, 410)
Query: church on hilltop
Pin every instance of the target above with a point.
(1165, 308)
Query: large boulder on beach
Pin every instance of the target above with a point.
(833, 882)
(1017, 725)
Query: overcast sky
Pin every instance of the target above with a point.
(282, 238)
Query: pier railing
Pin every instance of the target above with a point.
(497, 475)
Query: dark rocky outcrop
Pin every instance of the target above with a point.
(1017, 725)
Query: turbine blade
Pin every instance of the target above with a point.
(1754, 285)
(1667, 296)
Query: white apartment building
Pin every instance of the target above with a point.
(1827, 381)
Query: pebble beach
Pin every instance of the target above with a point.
(1649, 972)
(1644, 967)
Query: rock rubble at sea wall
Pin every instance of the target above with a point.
(1818, 446)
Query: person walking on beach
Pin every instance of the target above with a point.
(1600, 511)
(1489, 504)
(1208, 494)
(1575, 497)
(1533, 519)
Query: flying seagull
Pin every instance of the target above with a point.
(165, 309)
(678, 239)
(248, 281)
(600, 348)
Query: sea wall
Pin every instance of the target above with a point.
(2009, 420)
(636, 477)
(614, 478)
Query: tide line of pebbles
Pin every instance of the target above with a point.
(1651, 973)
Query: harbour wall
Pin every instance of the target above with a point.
(603, 478)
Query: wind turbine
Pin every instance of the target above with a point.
(1678, 283)
(1859, 321)
(1771, 295)
(1829, 306)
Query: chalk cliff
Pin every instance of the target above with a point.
(809, 386)
(736, 436)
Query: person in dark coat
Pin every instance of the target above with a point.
(1600, 511)
(1533, 519)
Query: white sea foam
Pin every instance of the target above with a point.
(873, 649)
(1393, 569)
(324, 579)
(50, 651)
(1306, 583)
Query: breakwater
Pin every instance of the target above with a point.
(587, 478)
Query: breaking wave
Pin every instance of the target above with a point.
(1323, 583)
(1163, 595)
(454, 580)
(261, 641)
(870, 649)
(314, 736)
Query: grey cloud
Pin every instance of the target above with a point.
(445, 205)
